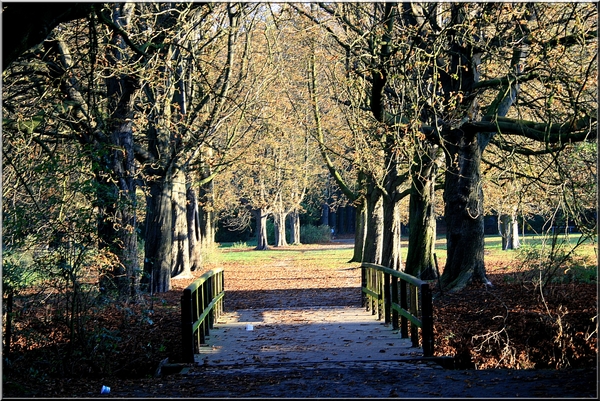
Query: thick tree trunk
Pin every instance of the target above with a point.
(279, 220)
(207, 228)
(180, 251)
(333, 221)
(261, 230)
(390, 254)
(208, 222)
(463, 198)
(463, 193)
(422, 225)
(325, 214)
(373, 249)
(392, 226)
(516, 243)
(115, 169)
(118, 223)
(294, 219)
(509, 230)
(350, 219)
(159, 223)
(126, 219)
(360, 232)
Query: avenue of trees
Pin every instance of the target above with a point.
(446, 86)
(129, 128)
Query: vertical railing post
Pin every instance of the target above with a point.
(210, 296)
(200, 305)
(387, 298)
(222, 289)
(378, 292)
(363, 283)
(187, 324)
(414, 310)
(379, 275)
(205, 302)
(217, 308)
(395, 324)
(403, 305)
(373, 287)
(427, 320)
(221, 286)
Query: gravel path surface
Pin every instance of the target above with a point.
(368, 380)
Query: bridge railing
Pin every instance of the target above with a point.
(400, 298)
(201, 306)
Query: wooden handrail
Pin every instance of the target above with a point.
(201, 306)
(400, 304)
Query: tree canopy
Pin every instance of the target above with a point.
(120, 119)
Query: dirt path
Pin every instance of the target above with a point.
(368, 380)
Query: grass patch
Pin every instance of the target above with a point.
(328, 258)
(585, 269)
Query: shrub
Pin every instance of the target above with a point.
(310, 234)
(554, 261)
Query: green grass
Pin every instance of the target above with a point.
(493, 245)
(245, 253)
(325, 258)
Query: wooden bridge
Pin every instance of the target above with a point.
(322, 338)
(394, 323)
(283, 328)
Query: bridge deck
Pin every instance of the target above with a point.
(254, 337)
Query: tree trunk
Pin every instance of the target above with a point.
(207, 216)
(422, 225)
(279, 219)
(333, 221)
(463, 198)
(350, 219)
(193, 224)
(391, 214)
(159, 223)
(261, 230)
(325, 214)
(127, 241)
(390, 254)
(516, 243)
(463, 193)
(115, 169)
(374, 238)
(509, 230)
(180, 255)
(206, 210)
(117, 231)
(118, 223)
(294, 218)
(360, 232)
